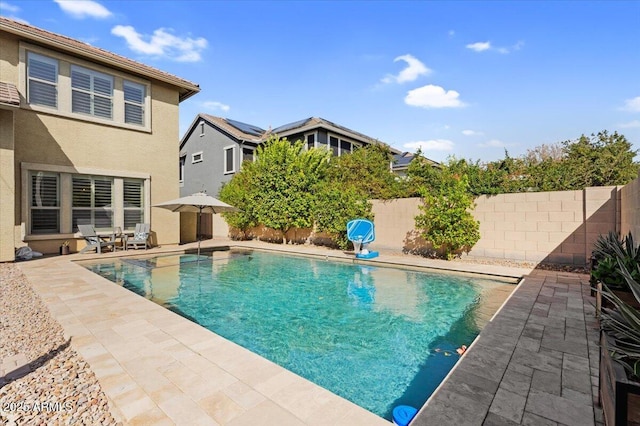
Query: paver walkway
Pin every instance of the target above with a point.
(535, 363)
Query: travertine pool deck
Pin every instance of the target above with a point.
(534, 363)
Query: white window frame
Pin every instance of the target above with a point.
(225, 166)
(201, 128)
(92, 209)
(315, 139)
(64, 90)
(340, 140)
(65, 195)
(92, 92)
(196, 157)
(33, 175)
(141, 105)
(183, 160)
(50, 61)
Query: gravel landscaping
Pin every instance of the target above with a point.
(43, 381)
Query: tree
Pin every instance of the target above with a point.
(367, 170)
(446, 221)
(337, 205)
(600, 160)
(286, 178)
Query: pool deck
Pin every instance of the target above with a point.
(536, 362)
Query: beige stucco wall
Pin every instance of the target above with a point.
(630, 209)
(7, 186)
(60, 141)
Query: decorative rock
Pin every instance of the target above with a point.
(58, 387)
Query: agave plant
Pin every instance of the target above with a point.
(623, 322)
(608, 252)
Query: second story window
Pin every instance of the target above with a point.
(91, 92)
(42, 73)
(229, 159)
(181, 169)
(134, 103)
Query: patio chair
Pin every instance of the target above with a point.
(140, 237)
(93, 240)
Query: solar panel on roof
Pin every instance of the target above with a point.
(290, 126)
(245, 128)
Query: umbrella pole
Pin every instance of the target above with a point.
(198, 231)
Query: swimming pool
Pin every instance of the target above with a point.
(376, 336)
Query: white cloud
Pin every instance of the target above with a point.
(430, 145)
(486, 45)
(162, 43)
(83, 8)
(480, 46)
(471, 133)
(414, 69)
(632, 105)
(431, 96)
(493, 143)
(215, 105)
(7, 7)
(630, 125)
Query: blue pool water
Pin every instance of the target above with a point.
(376, 336)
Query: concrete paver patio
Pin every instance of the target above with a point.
(534, 363)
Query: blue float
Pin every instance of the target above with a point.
(403, 414)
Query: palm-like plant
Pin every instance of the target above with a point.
(623, 322)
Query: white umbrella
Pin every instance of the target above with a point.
(197, 203)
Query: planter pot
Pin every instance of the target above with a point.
(64, 249)
(619, 396)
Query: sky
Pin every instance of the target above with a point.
(468, 79)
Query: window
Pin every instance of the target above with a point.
(134, 95)
(73, 87)
(196, 157)
(92, 201)
(183, 160)
(340, 146)
(42, 73)
(201, 128)
(333, 143)
(133, 203)
(229, 159)
(311, 141)
(45, 203)
(91, 92)
(247, 154)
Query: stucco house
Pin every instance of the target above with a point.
(85, 136)
(213, 148)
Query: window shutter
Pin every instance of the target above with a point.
(43, 80)
(133, 203)
(45, 209)
(134, 95)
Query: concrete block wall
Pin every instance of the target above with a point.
(555, 227)
(630, 209)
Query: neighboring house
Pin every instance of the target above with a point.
(85, 136)
(401, 163)
(213, 148)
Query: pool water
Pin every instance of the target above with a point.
(376, 336)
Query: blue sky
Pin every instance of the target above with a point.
(463, 78)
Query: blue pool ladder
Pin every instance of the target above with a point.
(361, 232)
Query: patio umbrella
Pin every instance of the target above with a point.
(197, 203)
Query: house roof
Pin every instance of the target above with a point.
(9, 96)
(237, 129)
(251, 133)
(95, 54)
(316, 122)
